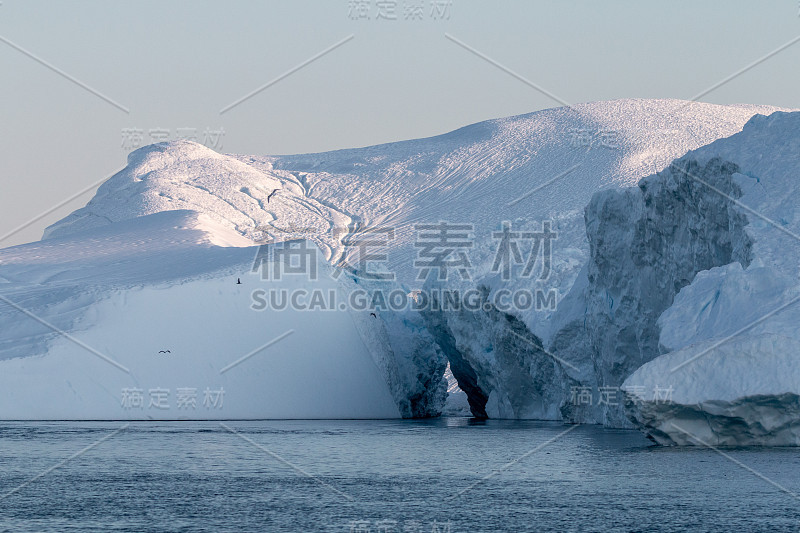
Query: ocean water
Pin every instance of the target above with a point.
(454, 475)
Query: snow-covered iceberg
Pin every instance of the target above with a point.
(182, 223)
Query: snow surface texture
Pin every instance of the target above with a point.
(730, 376)
(181, 215)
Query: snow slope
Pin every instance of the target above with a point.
(180, 222)
(129, 291)
(525, 169)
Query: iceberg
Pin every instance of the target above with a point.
(162, 260)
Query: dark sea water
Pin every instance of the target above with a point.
(454, 475)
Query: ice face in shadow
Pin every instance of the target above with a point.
(730, 376)
(499, 364)
(646, 244)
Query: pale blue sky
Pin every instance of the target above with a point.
(176, 64)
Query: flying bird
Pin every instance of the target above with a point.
(271, 194)
(238, 281)
(373, 315)
(164, 351)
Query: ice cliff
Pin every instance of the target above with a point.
(729, 374)
(646, 244)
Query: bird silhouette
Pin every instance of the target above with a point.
(271, 194)
(238, 281)
(373, 315)
(164, 351)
